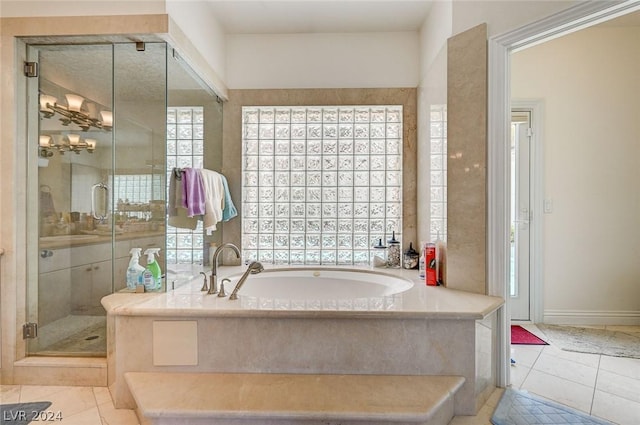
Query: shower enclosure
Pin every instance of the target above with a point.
(98, 173)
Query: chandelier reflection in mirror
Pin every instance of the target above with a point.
(74, 113)
(65, 143)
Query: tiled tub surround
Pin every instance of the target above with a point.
(422, 331)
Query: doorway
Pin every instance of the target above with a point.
(500, 49)
(521, 213)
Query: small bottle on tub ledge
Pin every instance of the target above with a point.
(380, 255)
(394, 252)
(430, 264)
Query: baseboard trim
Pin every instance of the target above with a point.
(590, 317)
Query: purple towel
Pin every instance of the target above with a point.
(193, 196)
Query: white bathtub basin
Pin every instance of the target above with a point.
(320, 284)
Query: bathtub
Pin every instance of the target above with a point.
(320, 289)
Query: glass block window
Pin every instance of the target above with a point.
(137, 188)
(438, 173)
(320, 185)
(185, 149)
(132, 193)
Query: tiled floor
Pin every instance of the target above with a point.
(77, 405)
(603, 386)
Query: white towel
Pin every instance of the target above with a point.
(214, 199)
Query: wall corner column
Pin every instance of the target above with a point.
(467, 160)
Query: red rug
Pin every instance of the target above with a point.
(520, 335)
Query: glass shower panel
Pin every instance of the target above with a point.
(139, 174)
(194, 139)
(74, 138)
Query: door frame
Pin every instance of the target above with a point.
(578, 17)
(536, 223)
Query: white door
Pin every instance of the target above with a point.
(520, 282)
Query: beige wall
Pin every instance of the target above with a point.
(588, 83)
(320, 60)
(24, 8)
(503, 15)
(200, 27)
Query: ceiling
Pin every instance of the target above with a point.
(85, 66)
(319, 16)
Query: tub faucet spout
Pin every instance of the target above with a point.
(253, 268)
(213, 282)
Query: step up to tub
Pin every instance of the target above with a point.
(287, 399)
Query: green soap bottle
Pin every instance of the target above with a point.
(152, 275)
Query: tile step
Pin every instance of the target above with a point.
(288, 399)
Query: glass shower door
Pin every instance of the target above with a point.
(97, 129)
(72, 98)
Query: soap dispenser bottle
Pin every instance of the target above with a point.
(135, 270)
(151, 277)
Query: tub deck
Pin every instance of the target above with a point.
(419, 302)
(426, 332)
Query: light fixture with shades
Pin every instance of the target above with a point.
(91, 144)
(74, 113)
(74, 102)
(69, 143)
(74, 140)
(107, 119)
(45, 105)
(45, 143)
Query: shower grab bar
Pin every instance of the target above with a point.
(93, 201)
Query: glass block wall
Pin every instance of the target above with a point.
(135, 189)
(320, 185)
(438, 174)
(185, 149)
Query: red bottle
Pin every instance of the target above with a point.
(430, 264)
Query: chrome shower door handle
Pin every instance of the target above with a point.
(93, 201)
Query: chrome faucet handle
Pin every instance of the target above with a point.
(204, 284)
(222, 293)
